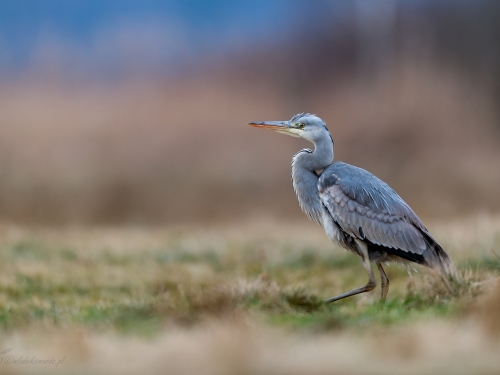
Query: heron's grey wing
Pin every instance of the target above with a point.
(367, 208)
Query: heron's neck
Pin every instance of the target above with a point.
(304, 166)
(321, 157)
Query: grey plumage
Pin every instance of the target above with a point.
(358, 211)
(366, 208)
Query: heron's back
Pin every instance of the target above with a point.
(368, 209)
(369, 190)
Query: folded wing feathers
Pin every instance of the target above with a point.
(382, 227)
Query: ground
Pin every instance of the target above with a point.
(241, 298)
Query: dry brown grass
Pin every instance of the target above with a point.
(245, 346)
(244, 299)
(487, 310)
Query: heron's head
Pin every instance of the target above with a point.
(303, 125)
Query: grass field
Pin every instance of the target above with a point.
(241, 299)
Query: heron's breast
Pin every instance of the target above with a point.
(333, 231)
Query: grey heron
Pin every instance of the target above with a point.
(358, 211)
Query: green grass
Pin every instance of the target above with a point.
(137, 281)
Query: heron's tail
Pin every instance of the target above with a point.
(436, 258)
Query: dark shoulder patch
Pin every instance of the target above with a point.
(326, 181)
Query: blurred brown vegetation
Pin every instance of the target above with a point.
(177, 148)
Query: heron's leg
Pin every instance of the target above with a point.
(370, 285)
(384, 282)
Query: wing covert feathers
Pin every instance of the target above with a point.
(380, 228)
(366, 208)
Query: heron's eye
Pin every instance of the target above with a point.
(301, 125)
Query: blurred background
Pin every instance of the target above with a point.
(135, 111)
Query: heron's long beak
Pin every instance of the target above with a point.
(278, 126)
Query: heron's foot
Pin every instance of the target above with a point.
(368, 287)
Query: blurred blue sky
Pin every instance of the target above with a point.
(104, 35)
(96, 33)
